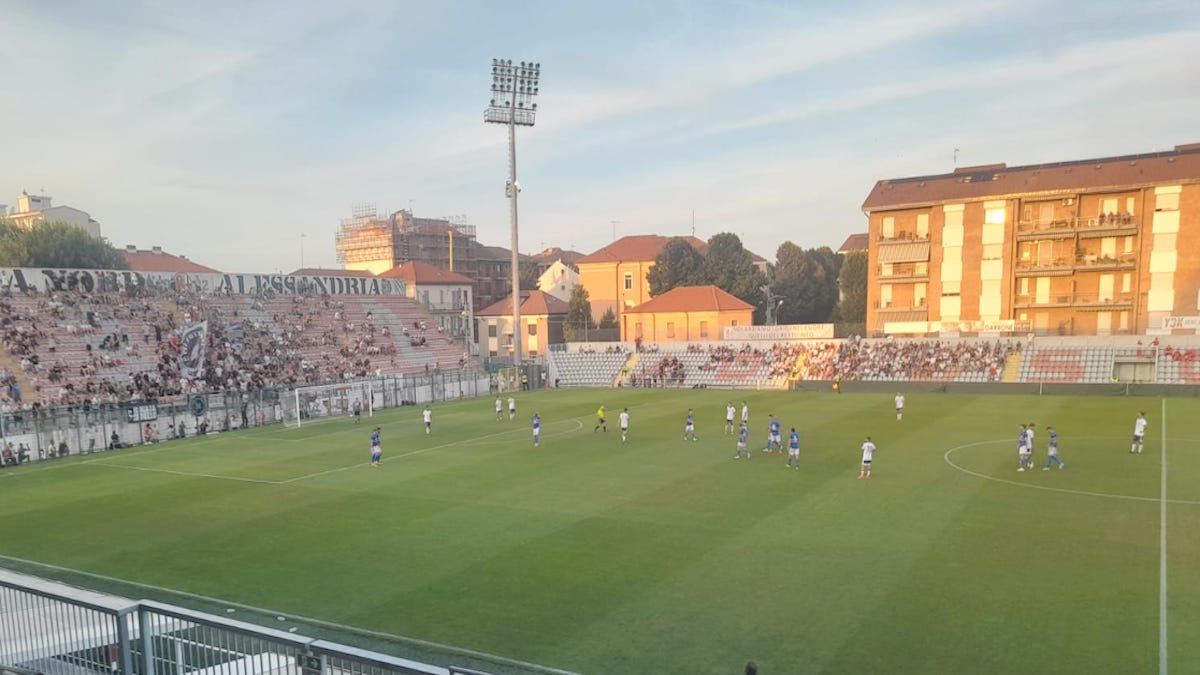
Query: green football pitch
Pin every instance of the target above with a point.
(660, 555)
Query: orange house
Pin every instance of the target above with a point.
(685, 314)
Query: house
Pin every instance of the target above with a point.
(1082, 247)
(446, 295)
(33, 209)
(157, 260)
(685, 314)
(558, 280)
(542, 315)
(616, 276)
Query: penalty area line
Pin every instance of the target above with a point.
(463, 651)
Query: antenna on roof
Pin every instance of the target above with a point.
(693, 222)
(956, 157)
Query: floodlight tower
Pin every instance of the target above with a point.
(513, 90)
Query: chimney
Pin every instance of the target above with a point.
(157, 250)
(130, 248)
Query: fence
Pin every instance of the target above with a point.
(55, 432)
(57, 630)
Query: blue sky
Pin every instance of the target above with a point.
(226, 130)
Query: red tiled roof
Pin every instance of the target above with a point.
(638, 248)
(692, 299)
(158, 261)
(996, 181)
(533, 303)
(416, 272)
(856, 242)
(554, 253)
(645, 248)
(322, 272)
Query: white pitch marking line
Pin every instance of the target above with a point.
(1085, 493)
(301, 619)
(186, 473)
(1162, 553)
(579, 425)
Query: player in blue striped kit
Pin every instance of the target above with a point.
(1052, 450)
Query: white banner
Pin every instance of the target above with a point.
(193, 345)
(799, 331)
(990, 326)
(1180, 322)
(114, 281)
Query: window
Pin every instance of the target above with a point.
(922, 226)
(703, 329)
(919, 295)
(493, 353)
(992, 251)
(670, 329)
(628, 282)
(1126, 282)
(1026, 213)
(531, 329)
(1169, 202)
(1129, 202)
(951, 287)
(1108, 206)
(1024, 286)
(733, 323)
(491, 330)
(994, 216)
(637, 329)
(889, 227)
(533, 353)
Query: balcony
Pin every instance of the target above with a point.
(1108, 225)
(1093, 262)
(1045, 229)
(1080, 301)
(903, 311)
(903, 238)
(903, 273)
(1054, 267)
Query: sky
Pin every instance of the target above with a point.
(240, 134)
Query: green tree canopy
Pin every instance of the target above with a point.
(529, 275)
(728, 266)
(609, 319)
(852, 281)
(579, 315)
(806, 279)
(56, 244)
(677, 265)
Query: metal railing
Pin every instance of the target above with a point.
(61, 631)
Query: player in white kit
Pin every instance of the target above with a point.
(1139, 432)
(899, 406)
(730, 411)
(428, 417)
(624, 419)
(868, 453)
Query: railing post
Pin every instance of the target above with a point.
(144, 633)
(125, 642)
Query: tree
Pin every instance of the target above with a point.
(852, 282)
(579, 315)
(728, 266)
(677, 265)
(609, 319)
(807, 282)
(529, 275)
(56, 244)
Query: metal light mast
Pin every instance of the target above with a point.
(513, 90)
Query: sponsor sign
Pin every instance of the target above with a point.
(990, 326)
(1180, 322)
(801, 331)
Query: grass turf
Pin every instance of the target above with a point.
(664, 556)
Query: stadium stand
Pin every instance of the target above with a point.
(75, 348)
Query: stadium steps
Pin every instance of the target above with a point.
(1012, 368)
(13, 364)
(623, 376)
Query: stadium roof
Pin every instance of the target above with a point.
(419, 273)
(155, 260)
(692, 299)
(533, 303)
(999, 181)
